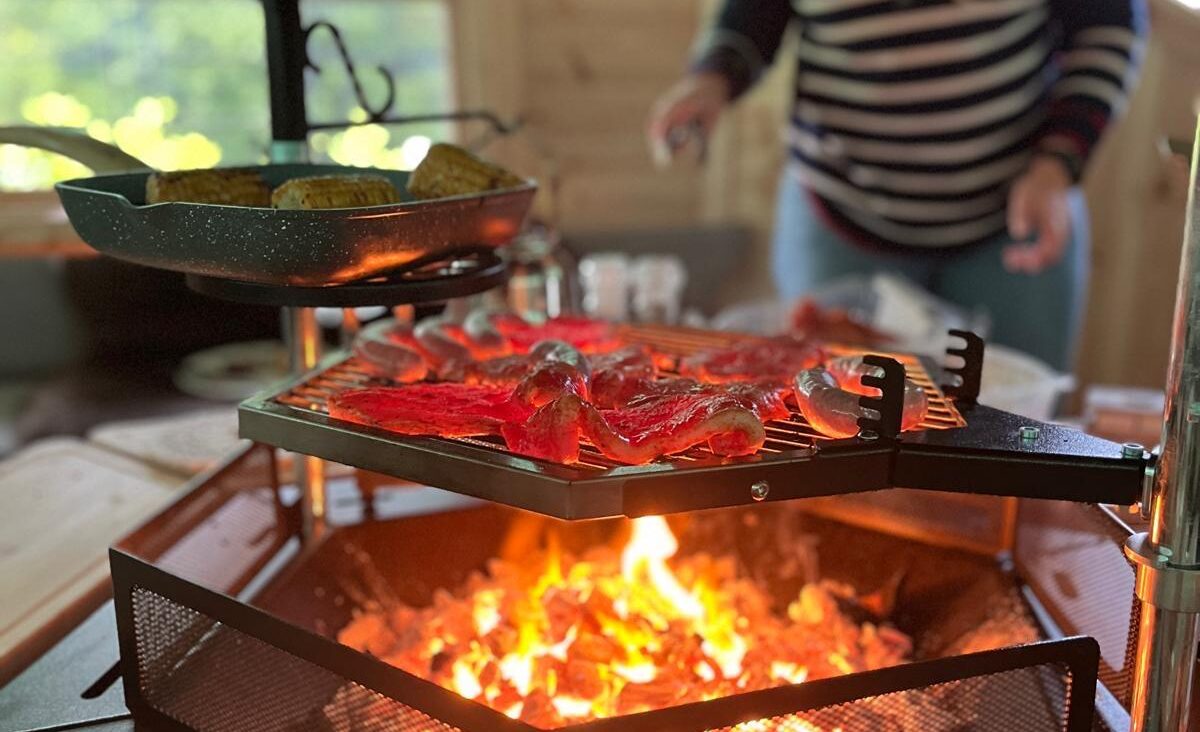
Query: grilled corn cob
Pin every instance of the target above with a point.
(451, 171)
(231, 187)
(335, 191)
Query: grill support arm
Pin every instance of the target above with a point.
(286, 60)
(1167, 559)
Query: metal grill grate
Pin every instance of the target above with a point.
(208, 676)
(782, 435)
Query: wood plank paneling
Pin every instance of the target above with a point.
(586, 74)
(1137, 213)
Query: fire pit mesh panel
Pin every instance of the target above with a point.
(209, 676)
(1030, 699)
(1072, 557)
(782, 435)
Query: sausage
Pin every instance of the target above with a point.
(849, 370)
(828, 397)
(386, 348)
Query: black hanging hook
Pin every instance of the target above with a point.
(373, 114)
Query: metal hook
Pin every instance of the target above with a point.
(373, 115)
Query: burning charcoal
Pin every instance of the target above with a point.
(502, 639)
(540, 712)
(813, 606)
(662, 692)
(562, 613)
(615, 634)
(369, 633)
(596, 648)
(506, 696)
(402, 619)
(582, 679)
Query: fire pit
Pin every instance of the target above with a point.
(765, 618)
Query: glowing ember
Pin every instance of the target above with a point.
(560, 640)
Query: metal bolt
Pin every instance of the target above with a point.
(759, 490)
(868, 435)
(1131, 450)
(1030, 433)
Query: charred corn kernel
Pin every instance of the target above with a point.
(335, 191)
(451, 171)
(232, 187)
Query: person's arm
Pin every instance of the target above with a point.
(1100, 55)
(730, 57)
(1101, 51)
(743, 41)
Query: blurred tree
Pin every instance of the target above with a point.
(182, 83)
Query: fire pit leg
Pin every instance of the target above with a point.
(304, 343)
(1168, 558)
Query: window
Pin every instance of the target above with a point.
(182, 83)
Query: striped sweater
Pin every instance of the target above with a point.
(913, 117)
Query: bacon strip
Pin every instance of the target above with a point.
(672, 424)
(640, 434)
(769, 359)
(634, 435)
(586, 334)
(448, 410)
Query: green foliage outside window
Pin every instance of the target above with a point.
(182, 83)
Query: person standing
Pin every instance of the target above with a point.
(938, 139)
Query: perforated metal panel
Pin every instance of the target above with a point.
(210, 677)
(1071, 555)
(1020, 700)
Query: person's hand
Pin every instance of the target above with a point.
(696, 101)
(1037, 205)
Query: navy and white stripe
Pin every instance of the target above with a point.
(913, 117)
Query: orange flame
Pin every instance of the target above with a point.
(608, 635)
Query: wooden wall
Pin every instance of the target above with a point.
(1137, 208)
(583, 74)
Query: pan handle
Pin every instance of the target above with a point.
(99, 156)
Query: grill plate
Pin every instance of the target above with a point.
(795, 461)
(948, 454)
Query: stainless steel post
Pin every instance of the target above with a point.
(1168, 558)
(304, 342)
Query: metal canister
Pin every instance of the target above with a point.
(541, 285)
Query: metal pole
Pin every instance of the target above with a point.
(305, 346)
(286, 61)
(1167, 559)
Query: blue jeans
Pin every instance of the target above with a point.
(1041, 314)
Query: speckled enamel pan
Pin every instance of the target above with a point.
(310, 248)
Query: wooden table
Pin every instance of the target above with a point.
(64, 503)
